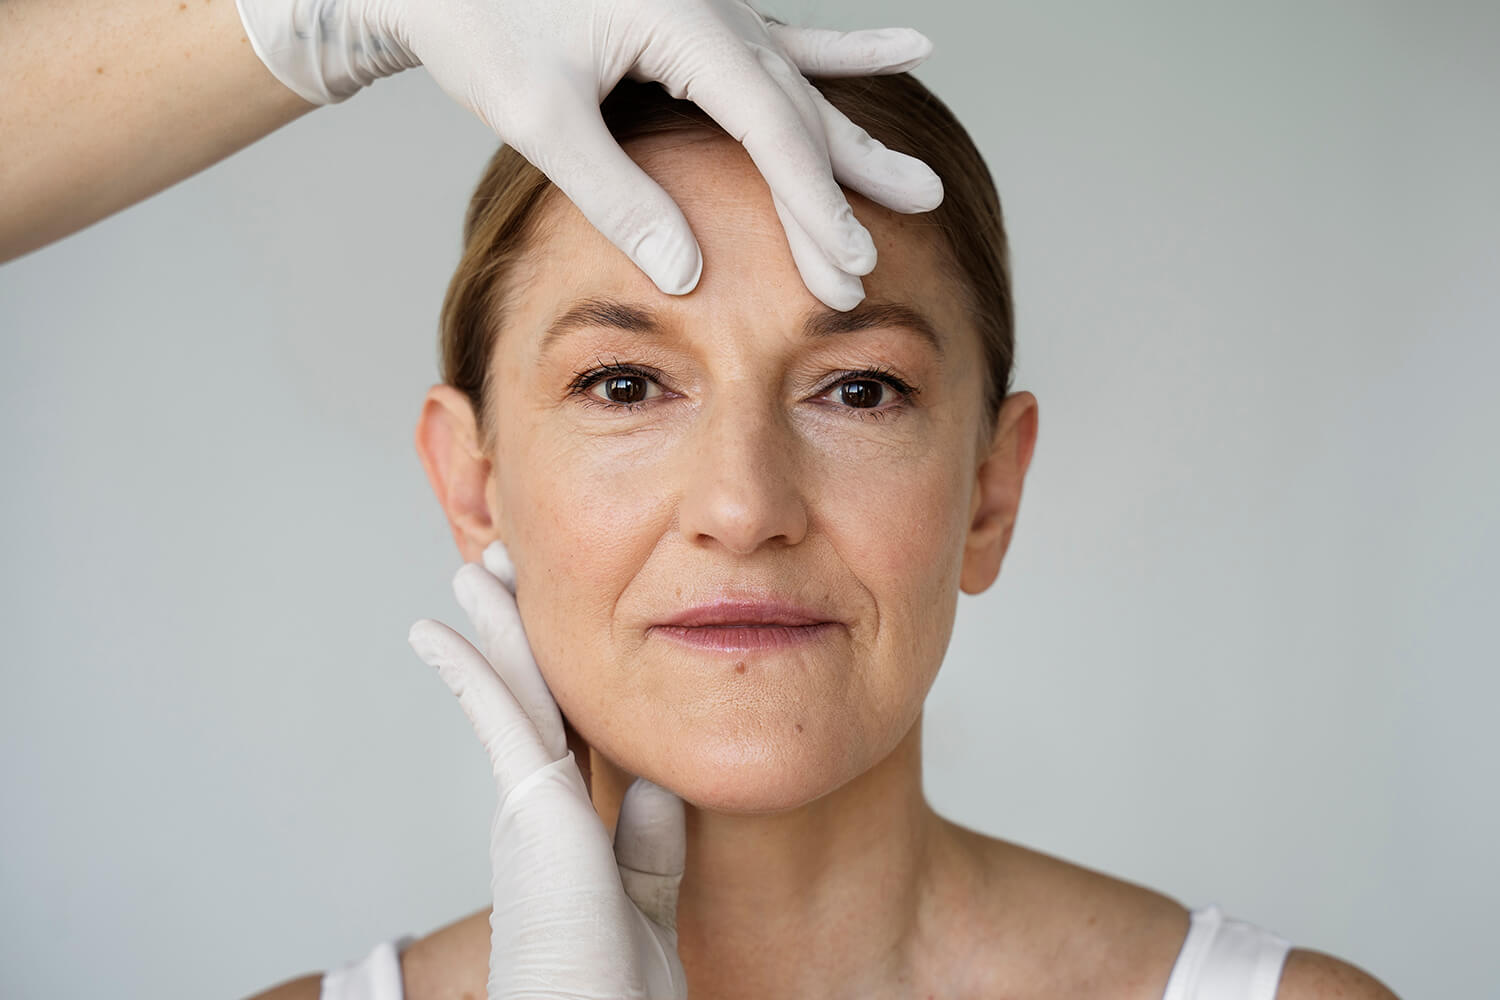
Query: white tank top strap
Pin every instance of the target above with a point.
(377, 976)
(1226, 959)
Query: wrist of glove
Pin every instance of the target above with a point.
(324, 50)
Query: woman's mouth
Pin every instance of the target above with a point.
(743, 624)
(744, 638)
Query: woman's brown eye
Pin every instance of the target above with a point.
(861, 394)
(625, 389)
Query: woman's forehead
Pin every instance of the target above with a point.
(748, 269)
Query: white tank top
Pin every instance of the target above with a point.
(1221, 959)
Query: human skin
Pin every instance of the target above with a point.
(745, 469)
(81, 105)
(742, 472)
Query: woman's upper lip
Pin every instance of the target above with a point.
(742, 612)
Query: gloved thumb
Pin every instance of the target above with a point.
(651, 849)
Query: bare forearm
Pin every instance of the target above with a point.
(106, 102)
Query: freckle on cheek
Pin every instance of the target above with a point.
(799, 727)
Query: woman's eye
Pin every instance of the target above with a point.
(624, 389)
(862, 394)
(617, 387)
(872, 393)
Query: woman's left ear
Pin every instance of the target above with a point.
(997, 491)
(448, 442)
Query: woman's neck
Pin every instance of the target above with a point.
(841, 897)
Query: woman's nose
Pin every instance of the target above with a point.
(741, 484)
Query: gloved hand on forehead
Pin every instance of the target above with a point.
(535, 72)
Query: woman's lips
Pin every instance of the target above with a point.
(745, 638)
(744, 622)
(747, 612)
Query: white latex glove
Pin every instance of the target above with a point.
(535, 71)
(574, 916)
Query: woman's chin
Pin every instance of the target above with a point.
(753, 779)
(733, 796)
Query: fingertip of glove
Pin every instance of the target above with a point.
(649, 833)
(673, 263)
(907, 39)
(916, 187)
(645, 793)
(424, 637)
(464, 581)
(496, 559)
(692, 281)
(847, 292)
(930, 195)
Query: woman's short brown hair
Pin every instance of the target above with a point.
(896, 109)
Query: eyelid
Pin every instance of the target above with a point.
(586, 379)
(875, 373)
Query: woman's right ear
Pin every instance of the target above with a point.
(448, 443)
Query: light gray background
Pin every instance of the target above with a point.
(1242, 649)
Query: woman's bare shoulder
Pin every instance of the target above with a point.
(1115, 929)
(451, 962)
(1312, 975)
(1089, 933)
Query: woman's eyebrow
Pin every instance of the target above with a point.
(816, 324)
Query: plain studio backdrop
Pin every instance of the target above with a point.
(1241, 650)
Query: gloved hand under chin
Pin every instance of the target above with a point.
(574, 914)
(536, 71)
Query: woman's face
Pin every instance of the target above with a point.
(732, 457)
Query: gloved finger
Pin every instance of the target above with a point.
(742, 93)
(854, 153)
(503, 727)
(900, 182)
(502, 639)
(497, 560)
(866, 52)
(828, 282)
(580, 156)
(835, 288)
(651, 849)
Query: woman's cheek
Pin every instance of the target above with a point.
(896, 513)
(901, 533)
(583, 529)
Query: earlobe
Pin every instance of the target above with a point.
(447, 441)
(997, 492)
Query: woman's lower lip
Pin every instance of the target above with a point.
(744, 638)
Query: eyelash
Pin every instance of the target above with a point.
(586, 379)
